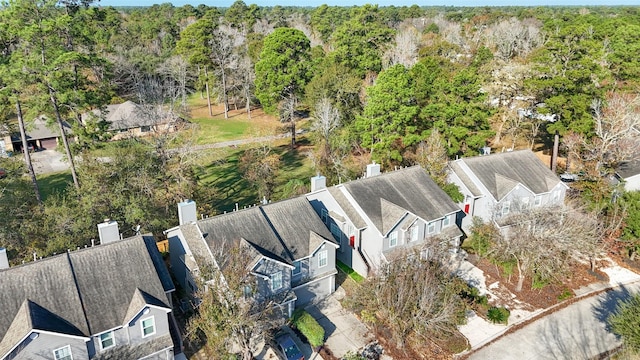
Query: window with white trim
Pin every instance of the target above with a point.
(393, 239)
(537, 201)
(323, 258)
(335, 231)
(415, 232)
(525, 202)
(276, 281)
(431, 228)
(446, 221)
(148, 326)
(64, 353)
(555, 196)
(506, 208)
(107, 340)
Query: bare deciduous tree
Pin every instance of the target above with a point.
(230, 313)
(224, 58)
(411, 297)
(617, 130)
(514, 37)
(431, 154)
(405, 49)
(260, 166)
(546, 241)
(326, 119)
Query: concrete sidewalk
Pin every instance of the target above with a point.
(578, 331)
(343, 331)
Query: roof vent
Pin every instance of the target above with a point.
(4, 260)
(187, 212)
(485, 150)
(108, 231)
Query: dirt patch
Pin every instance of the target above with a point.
(503, 287)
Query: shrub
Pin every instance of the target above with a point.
(309, 327)
(566, 294)
(498, 315)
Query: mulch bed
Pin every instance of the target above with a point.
(537, 298)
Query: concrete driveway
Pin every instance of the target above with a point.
(578, 331)
(48, 161)
(343, 331)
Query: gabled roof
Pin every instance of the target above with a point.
(294, 220)
(387, 197)
(86, 291)
(347, 207)
(129, 115)
(501, 172)
(284, 231)
(38, 129)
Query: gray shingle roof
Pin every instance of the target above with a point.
(101, 279)
(109, 275)
(628, 169)
(284, 231)
(347, 207)
(500, 172)
(38, 129)
(129, 115)
(384, 197)
(293, 219)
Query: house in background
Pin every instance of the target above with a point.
(629, 173)
(374, 216)
(293, 252)
(40, 136)
(132, 120)
(110, 301)
(497, 185)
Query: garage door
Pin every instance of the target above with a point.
(49, 144)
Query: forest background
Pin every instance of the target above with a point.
(398, 85)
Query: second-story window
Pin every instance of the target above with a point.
(415, 231)
(324, 215)
(506, 208)
(537, 201)
(63, 353)
(393, 239)
(148, 327)
(335, 231)
(276, 281)
(107, 340)
(297, 267)
(431, 228)
(446, 221)
(322, 258)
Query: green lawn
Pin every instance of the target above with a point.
(220, 170)
(212, 130)
(53, 183)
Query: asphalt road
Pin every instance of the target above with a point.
(578, 331)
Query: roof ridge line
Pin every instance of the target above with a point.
(75, 283)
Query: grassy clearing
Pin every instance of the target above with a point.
(349, 271)
(221, 171)
(216, 128)
(54, 183)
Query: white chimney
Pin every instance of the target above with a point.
(108, 231)
(187, 212)
(318, 182)
(4, 260)
(373, 169)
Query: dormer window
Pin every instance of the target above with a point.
(415, 232)
(107, 340)
(64, 353)
(322, 258)
(393, 239)
(148, 327)
(506, 208)
(276, 281)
